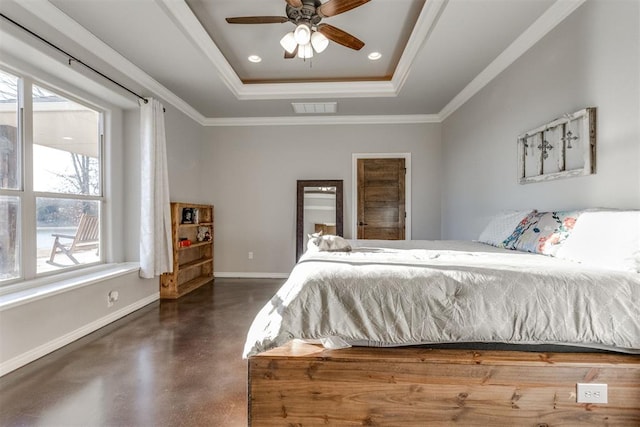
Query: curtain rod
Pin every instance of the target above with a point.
(71, 57)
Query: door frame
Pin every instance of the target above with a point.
(354, 188)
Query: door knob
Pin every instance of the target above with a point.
(362, 223)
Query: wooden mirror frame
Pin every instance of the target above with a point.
(300, 209)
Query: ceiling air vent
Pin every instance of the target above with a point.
(315, 107)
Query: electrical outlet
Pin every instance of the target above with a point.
(112, 297)
(592, 393)
(250, 255)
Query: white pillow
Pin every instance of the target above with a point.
(502, 226)
(605, 239)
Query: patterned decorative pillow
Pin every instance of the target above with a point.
(510, 241)
(502, 226)
(542, 232)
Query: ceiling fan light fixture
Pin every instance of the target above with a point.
(305, 51)
(319, 42)
(288, 42)
(302, 34)
(309, 36)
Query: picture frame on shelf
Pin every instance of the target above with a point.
(187, 216)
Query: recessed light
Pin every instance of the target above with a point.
(374, 56)
(254, 58)
(67, 138)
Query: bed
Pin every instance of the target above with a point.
(416, 332)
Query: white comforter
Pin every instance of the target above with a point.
(448, 291)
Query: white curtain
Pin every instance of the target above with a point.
(156, 256)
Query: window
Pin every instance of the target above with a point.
(51, 192)
(10, 161)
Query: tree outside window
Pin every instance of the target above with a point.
(66, 167)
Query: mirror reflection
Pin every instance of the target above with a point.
(319, 211)
(319, 206)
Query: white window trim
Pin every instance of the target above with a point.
(28, 277)
(407, 187)
(42, 287)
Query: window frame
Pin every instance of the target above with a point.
(27, 219)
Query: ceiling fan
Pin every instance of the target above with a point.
(309, 35)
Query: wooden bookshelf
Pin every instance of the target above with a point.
(192, 261)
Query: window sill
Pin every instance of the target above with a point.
(33, 290)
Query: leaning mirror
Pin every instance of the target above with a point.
(319, 208)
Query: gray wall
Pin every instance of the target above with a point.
(31, 330)
(591, 59)
(250, 175)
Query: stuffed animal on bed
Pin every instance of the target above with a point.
(329, 243)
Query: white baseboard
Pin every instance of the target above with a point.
(238, 275)
(36, 353)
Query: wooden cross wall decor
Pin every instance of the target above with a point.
(562, 148)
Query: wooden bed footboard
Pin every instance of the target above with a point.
(306, 385)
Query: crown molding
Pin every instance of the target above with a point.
(188, 23)
(182, 15)
(431, 12)
(323, 120)
(267, 91)
(554, 15)
(64, 24)
(18, 55)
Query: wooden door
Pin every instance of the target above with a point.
(381, 202)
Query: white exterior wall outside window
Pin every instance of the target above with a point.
(51, 181)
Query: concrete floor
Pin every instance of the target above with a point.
(172, 363)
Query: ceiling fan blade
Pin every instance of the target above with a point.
(258, 20)
(294, 3)
(340, 37)
(336, 7)
(291, 55)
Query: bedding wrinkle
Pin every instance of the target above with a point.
(455, 292)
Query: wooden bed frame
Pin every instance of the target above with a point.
(302, 385)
